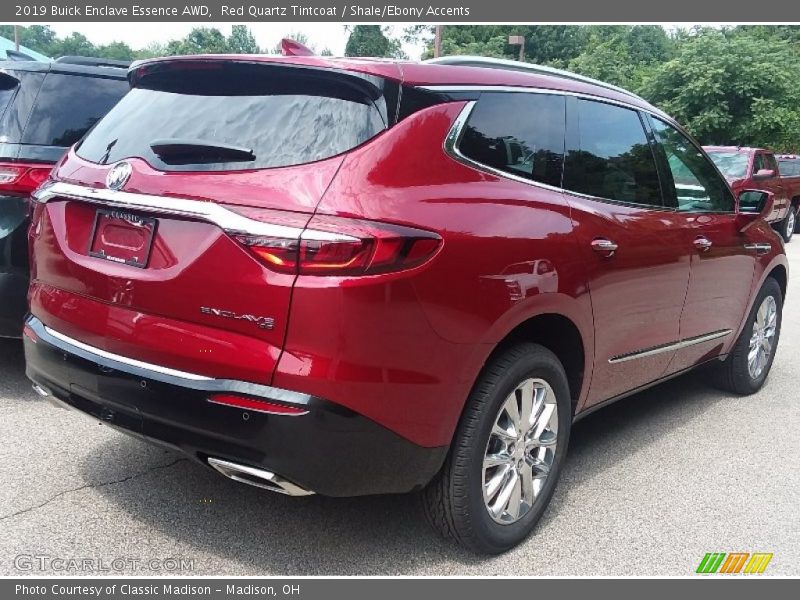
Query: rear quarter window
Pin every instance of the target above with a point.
(67, 106)
(518, 133)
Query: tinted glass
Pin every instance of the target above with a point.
(285, 118)
(733, 165)
(770, 162)
(520, 134)
(691, 180)
(8, 87)
(758, 163)
(68, 105)
(613, 158)
(789, 167)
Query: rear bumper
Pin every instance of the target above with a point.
(329, 450)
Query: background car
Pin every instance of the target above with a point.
(749, 168)
(44, 108)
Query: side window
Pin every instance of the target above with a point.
(758, 163)
(612, 158)
(692, 180)
(518, 133)
(68, 105)
(770, 162)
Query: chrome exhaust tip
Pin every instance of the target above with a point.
(46, 394)
(42, 392)
(259, 478)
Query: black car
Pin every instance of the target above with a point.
(44, 109)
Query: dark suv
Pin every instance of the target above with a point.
(44, 109)
(352, 277)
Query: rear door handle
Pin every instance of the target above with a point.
(605, 247)
(702, 243)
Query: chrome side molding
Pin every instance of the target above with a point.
(670, 347)
(759, 248)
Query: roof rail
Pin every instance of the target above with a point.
(515, 65)
(89, 61)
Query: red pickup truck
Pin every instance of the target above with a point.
(757, 168)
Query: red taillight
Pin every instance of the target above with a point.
(21, 178)
(256, 405)
(336, 246)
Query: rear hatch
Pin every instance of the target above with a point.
(219, 165)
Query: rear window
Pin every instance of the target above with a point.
(281, 116)
(68, 105)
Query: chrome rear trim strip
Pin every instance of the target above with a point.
(670, 347)
(125, 360)
(211, 212)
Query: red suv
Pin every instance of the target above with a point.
(346, 276)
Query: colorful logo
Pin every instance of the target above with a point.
(734, 562)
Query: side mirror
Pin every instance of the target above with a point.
(764, 174)
(755, 205)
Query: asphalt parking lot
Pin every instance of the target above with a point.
(652, 484)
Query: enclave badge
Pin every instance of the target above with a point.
(262, 322)
(118, 175)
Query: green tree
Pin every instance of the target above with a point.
(75, 44)
(732, 89)
(116, 50)
(242, 41)
(371, 40)
(200, 40)
(623, 55)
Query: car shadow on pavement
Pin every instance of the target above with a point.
(12, 369)
(237, 528)
(244, 529)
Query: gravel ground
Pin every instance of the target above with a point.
(652, 483)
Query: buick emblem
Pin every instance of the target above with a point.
(118, 175)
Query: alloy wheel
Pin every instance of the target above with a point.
(520, 451)
(762, 337)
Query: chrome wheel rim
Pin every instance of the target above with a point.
(520, 451)
(762, 337)
(790, 220)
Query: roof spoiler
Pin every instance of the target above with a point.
(89, 61)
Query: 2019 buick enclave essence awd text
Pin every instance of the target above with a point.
(346, 277)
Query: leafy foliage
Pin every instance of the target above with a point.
(371, 40)
(730, 85)
(201, 40)
(735, 85)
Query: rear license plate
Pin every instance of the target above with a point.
(122, 237)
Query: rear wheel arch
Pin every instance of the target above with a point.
(779, 274)
(561, 336)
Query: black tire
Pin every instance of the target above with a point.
(788, 226)
(453, 502)
(733, 374)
